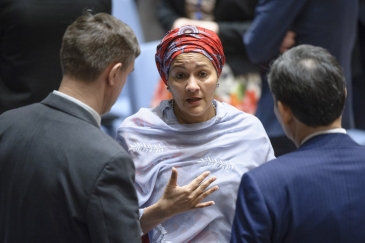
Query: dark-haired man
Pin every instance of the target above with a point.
(315, 194)
(61, 178)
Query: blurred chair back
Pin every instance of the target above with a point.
(141, 83)
(138, 91)
(145, 77)
(126, 10)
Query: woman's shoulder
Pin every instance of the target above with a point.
(231, 111)
(147, 116)
(233, 117)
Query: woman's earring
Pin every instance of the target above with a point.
(217, 84)
(168, 88)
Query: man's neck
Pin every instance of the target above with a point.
(89, 94)
(306, 131)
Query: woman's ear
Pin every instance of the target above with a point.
(113, 73)
(285, 113)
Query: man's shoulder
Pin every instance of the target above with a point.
(20, 110)
(61, 129)
(18, 115)
(283, 166)
(307, 161)
(94, 139)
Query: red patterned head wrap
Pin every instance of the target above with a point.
(187, 39)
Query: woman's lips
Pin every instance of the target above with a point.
(193, 100)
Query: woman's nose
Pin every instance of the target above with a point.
(192, 84)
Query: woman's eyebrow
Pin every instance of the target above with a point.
(183, 66)
(178, 66)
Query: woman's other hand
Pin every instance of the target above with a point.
(288, 41)
(210, 25)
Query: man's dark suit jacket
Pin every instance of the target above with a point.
(315, 194)
(62, 179)
(330, 24)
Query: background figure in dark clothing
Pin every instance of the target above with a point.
(329, 23)
(30, 40)
(358, 70)
(233, 18)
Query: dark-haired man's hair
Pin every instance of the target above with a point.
(311, 83)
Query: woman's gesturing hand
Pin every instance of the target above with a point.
(178, 199)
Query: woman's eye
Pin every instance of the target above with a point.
(179, 75)
(203, 74)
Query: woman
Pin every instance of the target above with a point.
(191, 136)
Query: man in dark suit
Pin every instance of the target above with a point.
(61, 178)
(330, 24)
(316, 193)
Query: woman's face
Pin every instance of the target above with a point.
(192, 81)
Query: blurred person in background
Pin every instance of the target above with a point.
(30, 40)
(330, 24)
(358, 70)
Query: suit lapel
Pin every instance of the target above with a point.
(69, 107)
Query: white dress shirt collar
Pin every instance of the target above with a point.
(335, 130)
(96, 115)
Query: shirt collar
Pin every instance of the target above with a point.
(96, 115)
(334, 130)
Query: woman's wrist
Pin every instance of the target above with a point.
(152, 216)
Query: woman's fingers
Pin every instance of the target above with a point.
(202, 187)
(173, 179)
(181, 199)
(206, 183)
(204, 194)
(194, 184)
(201, 191)
(204, 204)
